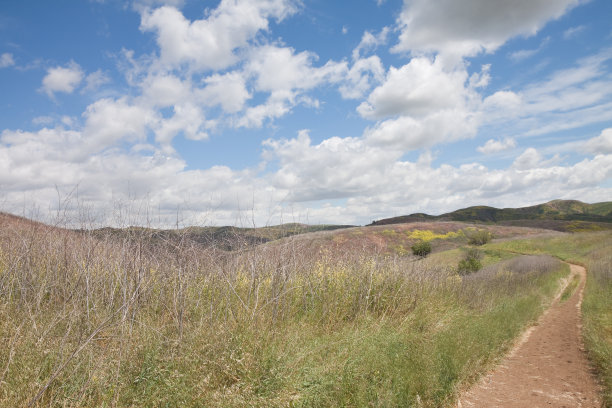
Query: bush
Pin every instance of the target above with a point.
(471, 263)
(478, 237)
(421, 248)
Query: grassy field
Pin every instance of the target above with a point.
(114, 322)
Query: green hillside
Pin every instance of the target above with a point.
(564, 215)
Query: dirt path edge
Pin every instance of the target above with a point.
(547, 367)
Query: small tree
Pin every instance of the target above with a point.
(471, 263)
(421, 248)
(477, 236)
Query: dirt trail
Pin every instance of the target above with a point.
(548, 368)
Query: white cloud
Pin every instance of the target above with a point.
(62, 79)
(188, 119)
(211, 43)
(521, 55)
(227, 90)
(108, 121)
(481, 79)
(164, 90)
(363, 74)
(285, 76)
(597, 145)
(34, 164)
(529, 159)
(280, 70)
(376, 182)
(573, 32)
(255, 116)
(601, 144)
(503, 101)
(496, 146)
(370, 41)
(334, 168)
(373, 181)
(407, 133)
(95, 80)
(6, 60)
(417, 89)
(466, 28)
(424, 103)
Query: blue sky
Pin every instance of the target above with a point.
(268, 111)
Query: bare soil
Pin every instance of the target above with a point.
(547, 368)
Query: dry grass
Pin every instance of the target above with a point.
(106, 321)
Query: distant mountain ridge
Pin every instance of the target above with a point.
(556, 210)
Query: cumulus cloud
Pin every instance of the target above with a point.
(328, 170)
(406, 133)
(529, 159)
(6, 60)
(216, 62)
(496, 146)
(503, 101)
(281, 70)
(373, 181)
(361, 77)
(62, 79)
(164, 90)
(601, 144)
(37, 165)
(417, 89)
(108, 121)
(423, 103)
(467, 28)
(368, 177)
(285, 76)
(188, 119)
(211, 43)
(227, 90)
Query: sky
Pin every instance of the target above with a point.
(260, 112)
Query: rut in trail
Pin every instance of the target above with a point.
(548, 368)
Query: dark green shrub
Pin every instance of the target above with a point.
(471, 263)
(478, 237)
(421, 248)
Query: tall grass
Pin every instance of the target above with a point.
(122, 320)
(597, 314)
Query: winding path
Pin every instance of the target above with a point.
(547, 368)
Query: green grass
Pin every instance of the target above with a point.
(597, 316)
(573, 248)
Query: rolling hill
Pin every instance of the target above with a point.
(561, 215)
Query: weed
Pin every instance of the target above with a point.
(471, 262)
(421, 248)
